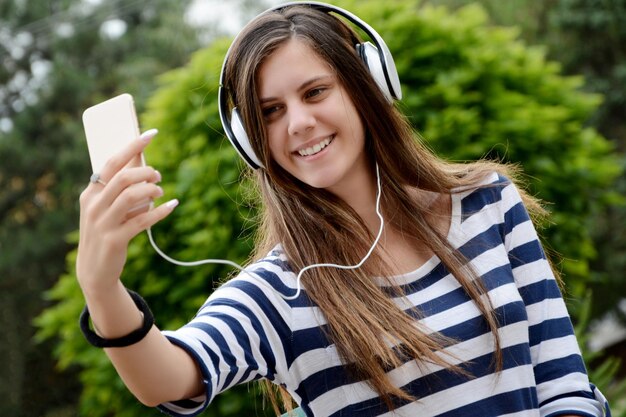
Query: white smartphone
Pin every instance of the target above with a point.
(109, 127)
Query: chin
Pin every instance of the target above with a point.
(319, 184)
(317, 181)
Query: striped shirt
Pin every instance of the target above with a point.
(247, 331)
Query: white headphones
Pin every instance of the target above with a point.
(377, 59)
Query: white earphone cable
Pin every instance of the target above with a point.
(298, 278)
(367, 255)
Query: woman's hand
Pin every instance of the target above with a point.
(111, 215)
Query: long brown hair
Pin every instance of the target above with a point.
(361, 317)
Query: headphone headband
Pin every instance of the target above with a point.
(377, 58)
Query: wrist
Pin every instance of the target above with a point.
(103, 293)
(112, 310)
(128, 339)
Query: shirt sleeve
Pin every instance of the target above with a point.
(236, 337)
(562, 383)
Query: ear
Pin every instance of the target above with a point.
(371, 57)
(240, 141)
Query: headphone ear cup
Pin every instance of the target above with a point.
(240, 141)
(370, 56)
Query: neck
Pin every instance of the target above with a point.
(360, 193)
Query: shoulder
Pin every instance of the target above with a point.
(255, 297)
(265, 279)
(494, 191)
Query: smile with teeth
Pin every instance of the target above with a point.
(316, 148)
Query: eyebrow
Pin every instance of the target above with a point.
(303, 86)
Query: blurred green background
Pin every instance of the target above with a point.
(540, 83)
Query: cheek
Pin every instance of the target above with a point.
(276, 146)
(355, 121)
(352, 121)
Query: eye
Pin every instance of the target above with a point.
(315, 92)
(270, 112)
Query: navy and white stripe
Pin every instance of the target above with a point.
(246, 331)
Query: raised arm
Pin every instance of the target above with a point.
(153, 369)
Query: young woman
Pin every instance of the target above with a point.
(448, 308)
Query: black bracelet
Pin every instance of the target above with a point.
(127, 340)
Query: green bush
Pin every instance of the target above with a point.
(472, 90)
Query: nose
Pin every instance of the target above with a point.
(301, 119)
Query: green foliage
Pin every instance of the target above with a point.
(44, 155)
(592, 39)
(472, 91)
(587, 37)
(591, 42)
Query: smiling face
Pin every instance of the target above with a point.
(313, 129)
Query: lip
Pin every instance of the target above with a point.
(312, 143)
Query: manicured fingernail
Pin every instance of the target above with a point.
(171, 204)
(158, 174)
(159, 191)
(148, 135)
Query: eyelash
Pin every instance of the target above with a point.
(317, 90)
(268, 111)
